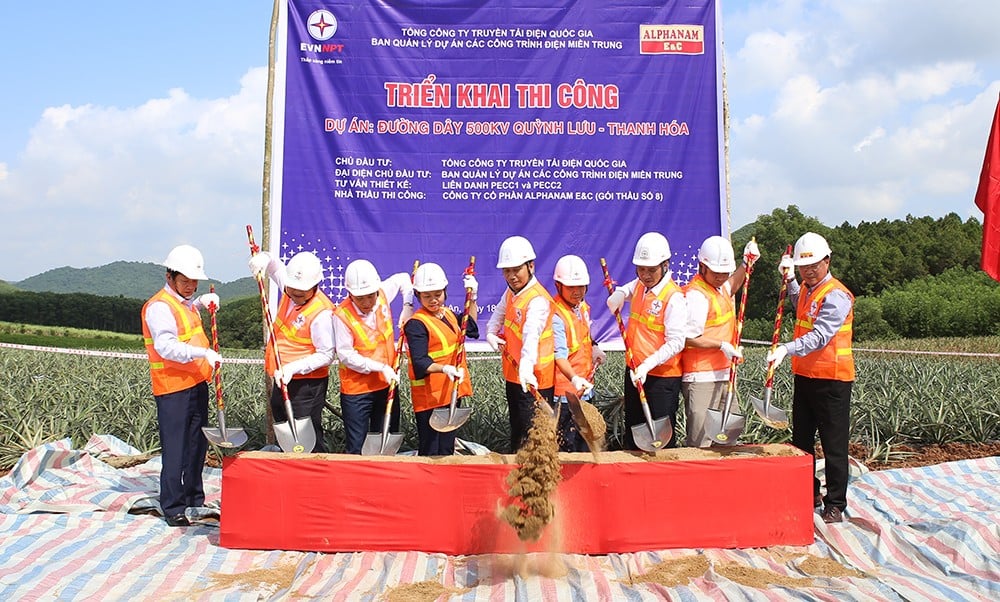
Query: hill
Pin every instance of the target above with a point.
(129, 279)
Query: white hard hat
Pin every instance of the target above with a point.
(361, 278)
(303, 271)
(810, 248)
(515, 251)
(717, 255)
(651, 249)
(187, 260)
(571, 271)
(429, 277)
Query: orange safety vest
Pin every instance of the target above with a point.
(578, 342)
(720, 324)
(513, 322)
(434, 389)
(376, 344)
(835, 361)
(293, 336)
(169, 376)
(646, 332)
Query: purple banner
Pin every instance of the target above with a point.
(432, 131)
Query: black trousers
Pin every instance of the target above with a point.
(521, 410)
(431, 442)
(663, 395)
(825, 406)
(363, 414)
(183, 445)
(307, 396)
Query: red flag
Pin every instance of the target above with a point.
(988, 201)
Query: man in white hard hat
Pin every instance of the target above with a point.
(655, 334)
(823, 365)
(303, 333)
(576, 355)
(180, 366)
(522, 322)
(711, 328)
(437, 365)
(363, 336)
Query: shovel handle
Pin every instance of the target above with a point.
(395, 366)
(776, 335)
(217, 368)
(609, 284)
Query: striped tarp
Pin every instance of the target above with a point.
(66, 533)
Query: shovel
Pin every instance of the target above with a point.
(445, 420)
(773, 417)
(654, 434)
(584, 426)
(385, 443)
(539, 400)
(296, 434)
(228, 438)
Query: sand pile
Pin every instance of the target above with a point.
(532, 483)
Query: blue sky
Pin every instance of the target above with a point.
(122, 120)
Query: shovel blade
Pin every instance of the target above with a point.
(773, 417)
(445, 420)
(727, 433)
(376, 445)
(654, 439)
(227, 438)
(301, 440)
(582, 424)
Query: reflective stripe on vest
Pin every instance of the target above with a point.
(646, 332)
(720, 325)
(578, 343)
(377, 344)
(294, 339)
(513, 322)
(168, 376)
(835, 361)
(435, 389)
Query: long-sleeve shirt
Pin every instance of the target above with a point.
(344, 338)
(163, 329)
(697, 309)
(674, 321)
(832, 315)
(534, 323)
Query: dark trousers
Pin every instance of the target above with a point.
(180, 417)
(521, 410)
(824, 405)
(363, 414)
(570, 439)
(663, 395)
(307, 396)
(430, 441)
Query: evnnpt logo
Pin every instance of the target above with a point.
(322, 25)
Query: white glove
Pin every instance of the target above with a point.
(598, 356)
(208, 299)
(777, 355)
(786, 267)
(616, 300)
(406, 314)
(283, 376)
(258, 264)
(495, 341)
(731, 352)
(751, 253)
(526, 375)
(469, 282)
(212, 357)
(389, 374)
(642, 370)
(582, 385)
(454, 373)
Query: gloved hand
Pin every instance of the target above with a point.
(598, 356)
(526, 376)
(283, 376)
(469, 282)
(751, 253)
(453, 372)
(777, 355)
(495, 341)
(642, 370)
(389, 374)
(208, 299)
(616, 300)
(581, 385)
(212, 357)
(731, 352)
(258, 264)
(406, 314)
(786, 264)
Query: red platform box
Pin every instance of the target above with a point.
(744, 496)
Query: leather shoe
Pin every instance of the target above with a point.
(817, 500)
(178, 520)
(832, 514)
